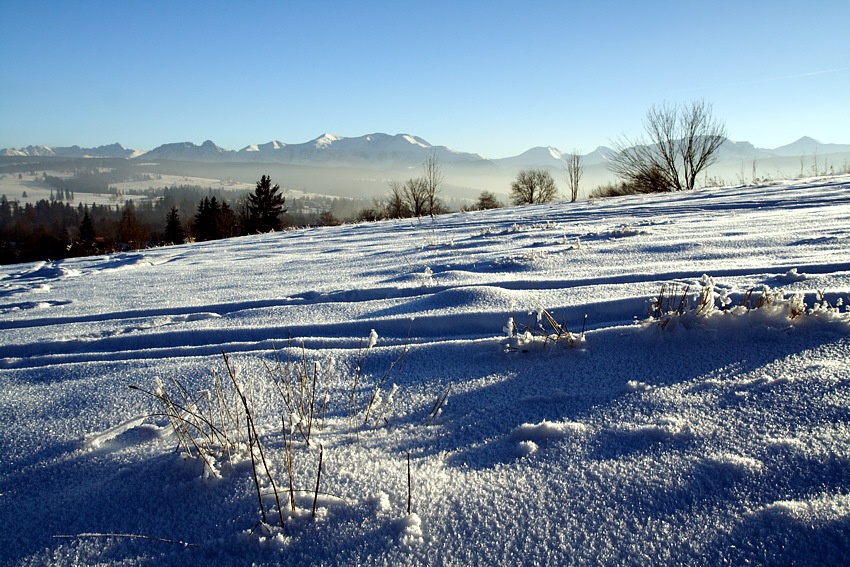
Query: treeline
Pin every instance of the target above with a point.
(55, 229)
(51, 230)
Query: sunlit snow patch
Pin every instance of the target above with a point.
(820, 509)
(410, 528)
(95, 441)
(739, 462)
(635, 386)
(526, 448)
(668, 427)
(548, 430)
(793, 276)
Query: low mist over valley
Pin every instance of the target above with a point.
(361, 167)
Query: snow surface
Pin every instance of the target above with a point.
(720, 439)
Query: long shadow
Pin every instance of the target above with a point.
(306, 298)
(392, 324)
(570, 386)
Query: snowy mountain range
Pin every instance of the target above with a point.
(370, 150)
(108, 151)
(384, 150)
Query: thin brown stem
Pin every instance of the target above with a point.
(318, 478)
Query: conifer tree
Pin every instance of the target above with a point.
(131, 231)
(87, 234)
(206, 220)
(174, 232)
(226, 221)
(265, 205)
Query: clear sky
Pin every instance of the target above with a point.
(490, 77)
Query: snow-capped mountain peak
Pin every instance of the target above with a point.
(326, 140)
(416, 141)
(273, 146)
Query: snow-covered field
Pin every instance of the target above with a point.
(718, 437)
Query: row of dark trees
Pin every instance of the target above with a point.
(55, 229)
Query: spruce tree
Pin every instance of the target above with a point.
(206, 220)
(174, 233)
(87, 234)
(265, 205)
(131, 230)
(226, 221)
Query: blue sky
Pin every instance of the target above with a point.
(496, 78)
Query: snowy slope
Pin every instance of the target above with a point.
(721, 438)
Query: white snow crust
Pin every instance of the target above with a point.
(720, 437)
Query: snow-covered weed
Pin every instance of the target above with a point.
(576, 243)
(524, 260)
(442, 400)
(625, 230)
(539, 226)
(207, 424)
(544, 332)
(380, 400)
(676, 306)
(432, 241)
(301, 390)
(219, 425)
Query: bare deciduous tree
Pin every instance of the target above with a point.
(396, 205)
(682, 141)
(574, 171)
(432, 175)
(416, 195)
(533, 186)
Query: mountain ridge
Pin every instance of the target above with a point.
(383, 150)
